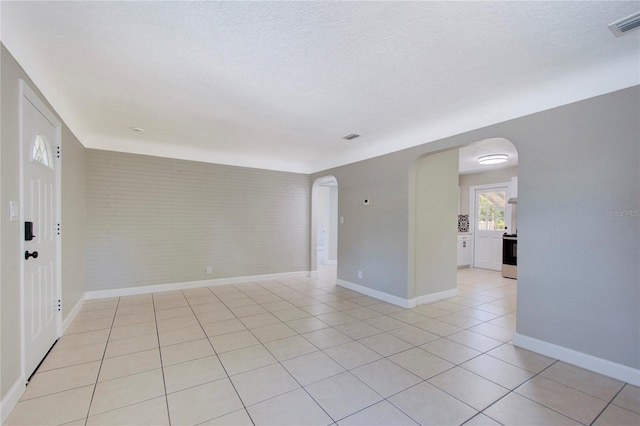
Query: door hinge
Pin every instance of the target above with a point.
(58, 228)
(59, 305)
(58, 151)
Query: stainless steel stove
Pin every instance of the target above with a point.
(510, 256)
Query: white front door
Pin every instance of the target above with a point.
(489, 226)
(40, 139)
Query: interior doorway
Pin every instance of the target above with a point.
(324, 233)
(488, 186)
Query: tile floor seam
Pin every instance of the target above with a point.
(512, 391)
(608, 405)
(164, 382)
(549, 408)
(325, 378)
(562, 384)
(95, 385)
(576, 389)
(221, 363)
(417, 384)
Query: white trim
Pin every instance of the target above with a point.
(12, 397)
(72, 315)
(399, 301)
(313, 274)
(130, 291)
(22, 87)
(434, 297)
(385, 297)
(331, 262)
(589, 362)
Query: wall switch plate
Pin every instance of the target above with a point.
(341, 219)
(359, 275)
(14, 212)
(209, 270)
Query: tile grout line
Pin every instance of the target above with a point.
(290, 375)
(101, 362)
(284, 368)
(512, 391)
(384, 357)
(164, 381)
(218, 357)
(609, 404)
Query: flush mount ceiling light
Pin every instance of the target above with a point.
(137, 129)
(493, 159)
(351, 136)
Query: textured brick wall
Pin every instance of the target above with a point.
(155, 220)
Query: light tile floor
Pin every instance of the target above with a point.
(303, 351)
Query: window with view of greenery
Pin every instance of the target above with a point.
(491, 206)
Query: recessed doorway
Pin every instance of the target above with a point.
(324, 233)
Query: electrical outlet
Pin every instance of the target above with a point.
(209, 270)
(359, 275)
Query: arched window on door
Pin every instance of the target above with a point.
(40, 153)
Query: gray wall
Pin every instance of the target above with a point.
(155, 220)
(72, 214)
(434, 223)
(373, 238)
(483, 178)
(578, 269)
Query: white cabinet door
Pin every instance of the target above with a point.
(464, 250)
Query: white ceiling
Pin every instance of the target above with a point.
(277, 84)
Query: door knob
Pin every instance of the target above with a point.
(27, 255)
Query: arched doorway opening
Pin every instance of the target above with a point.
(324, 227)
(454, 200)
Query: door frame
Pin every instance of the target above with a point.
(314, 220)
(26, 93)
(473, 208)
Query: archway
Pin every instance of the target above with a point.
(438, 199)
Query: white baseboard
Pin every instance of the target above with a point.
(72, 315)
(313, 274)
(434, 297)
(12, 397)
(385, 297)
(589, 362)
(399, 301)
(131, 291)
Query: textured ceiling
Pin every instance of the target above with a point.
(277, 84)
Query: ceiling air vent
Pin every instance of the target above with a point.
(350, 136)
(625, 24)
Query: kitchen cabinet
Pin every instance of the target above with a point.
(465, 250)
